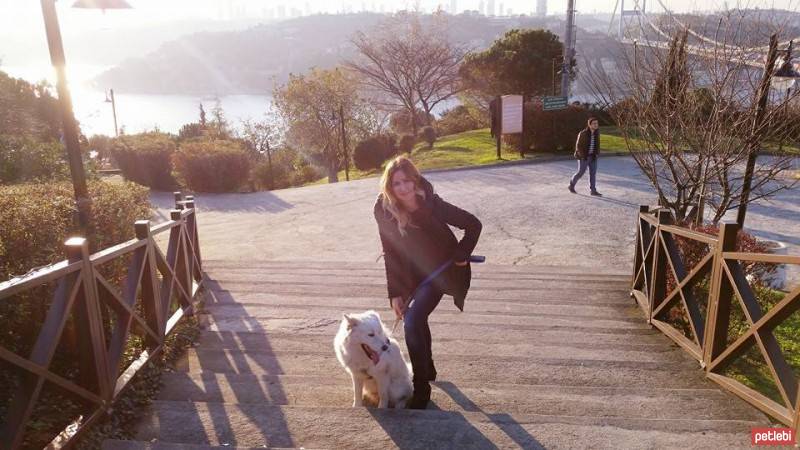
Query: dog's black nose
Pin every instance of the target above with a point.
(385, 347)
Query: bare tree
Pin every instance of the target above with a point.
(263, 136)
(410, 64)
(689, 112)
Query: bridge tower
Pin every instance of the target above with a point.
(631, 17)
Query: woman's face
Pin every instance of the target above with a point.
(403, 187)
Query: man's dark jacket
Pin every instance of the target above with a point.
(429, 242)
(582, 145)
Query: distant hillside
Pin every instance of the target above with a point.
(251, 61)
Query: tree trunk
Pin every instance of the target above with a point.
(271, 174)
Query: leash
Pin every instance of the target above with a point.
(429, 279)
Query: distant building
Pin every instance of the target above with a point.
(541, 8)
(501, 9)
(490, 7)
(281, 11)
(481, 8)
(453, 6)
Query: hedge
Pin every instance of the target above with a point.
(146, 159)
(212, 166)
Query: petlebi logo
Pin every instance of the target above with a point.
(772, 436)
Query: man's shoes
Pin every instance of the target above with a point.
(596, 194)
(422, 395)
(572, 189)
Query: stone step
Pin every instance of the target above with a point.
(296, 341)
(474, 323)
(243, 294)
(378, 266)
(646, 402)
(368, 428)
(449, 314)
(338, 279)
(559, 369)
(627, 309)
(378, 290)
(479, 347)
(116, 444)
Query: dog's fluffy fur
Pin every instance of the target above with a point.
(373, 359)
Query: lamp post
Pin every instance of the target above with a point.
(110, 99)
(68, 123)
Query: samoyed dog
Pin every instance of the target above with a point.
(373, 359)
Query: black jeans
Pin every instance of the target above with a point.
(418, 333)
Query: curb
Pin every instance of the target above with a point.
(546, 158)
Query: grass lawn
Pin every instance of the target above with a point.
(470, 148)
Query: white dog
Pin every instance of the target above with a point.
(373, 359)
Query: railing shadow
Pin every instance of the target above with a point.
(235, 368)
(503, 421)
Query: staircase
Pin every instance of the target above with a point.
(543, 357)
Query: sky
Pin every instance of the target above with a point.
(22, 14)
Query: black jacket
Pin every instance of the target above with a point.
(429, 242)
(582, 144)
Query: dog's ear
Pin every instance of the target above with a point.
(351, 321)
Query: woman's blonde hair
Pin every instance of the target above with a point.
(390, 201)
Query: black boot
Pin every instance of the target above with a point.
(422, 395)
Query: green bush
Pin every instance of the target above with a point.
(288, 167)
(460, 119)
(212, 166)
(24, 159)
(549, 131)
(406, 143)
(146, 159)
(35, 221)
(370, 153)
(429, 135)
(400, 121)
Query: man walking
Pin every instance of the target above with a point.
(587, 148)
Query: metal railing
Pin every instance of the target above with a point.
(158, 290)
(664, 283)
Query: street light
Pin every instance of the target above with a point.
(110, 99)
(68, 124)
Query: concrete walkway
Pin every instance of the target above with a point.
(529, 217)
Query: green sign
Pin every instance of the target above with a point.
(553, 103)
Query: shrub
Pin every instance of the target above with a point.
(460, 119)
(146, 159)
(549, 131)
(400, 121)
(429, 135)
(191, 131)
(212, 166)
(24, 159)
(406, 143)
(370, 153)
(35, 220)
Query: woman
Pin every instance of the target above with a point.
(416, 239)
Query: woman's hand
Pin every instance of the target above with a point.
(461, 263)
(398, 306)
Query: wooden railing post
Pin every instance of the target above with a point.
(638, 249)
(191, 223)
(719, 309)
(182, 267)
(659, 274)
(95, 372)
(178, 199)
(151, 297)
